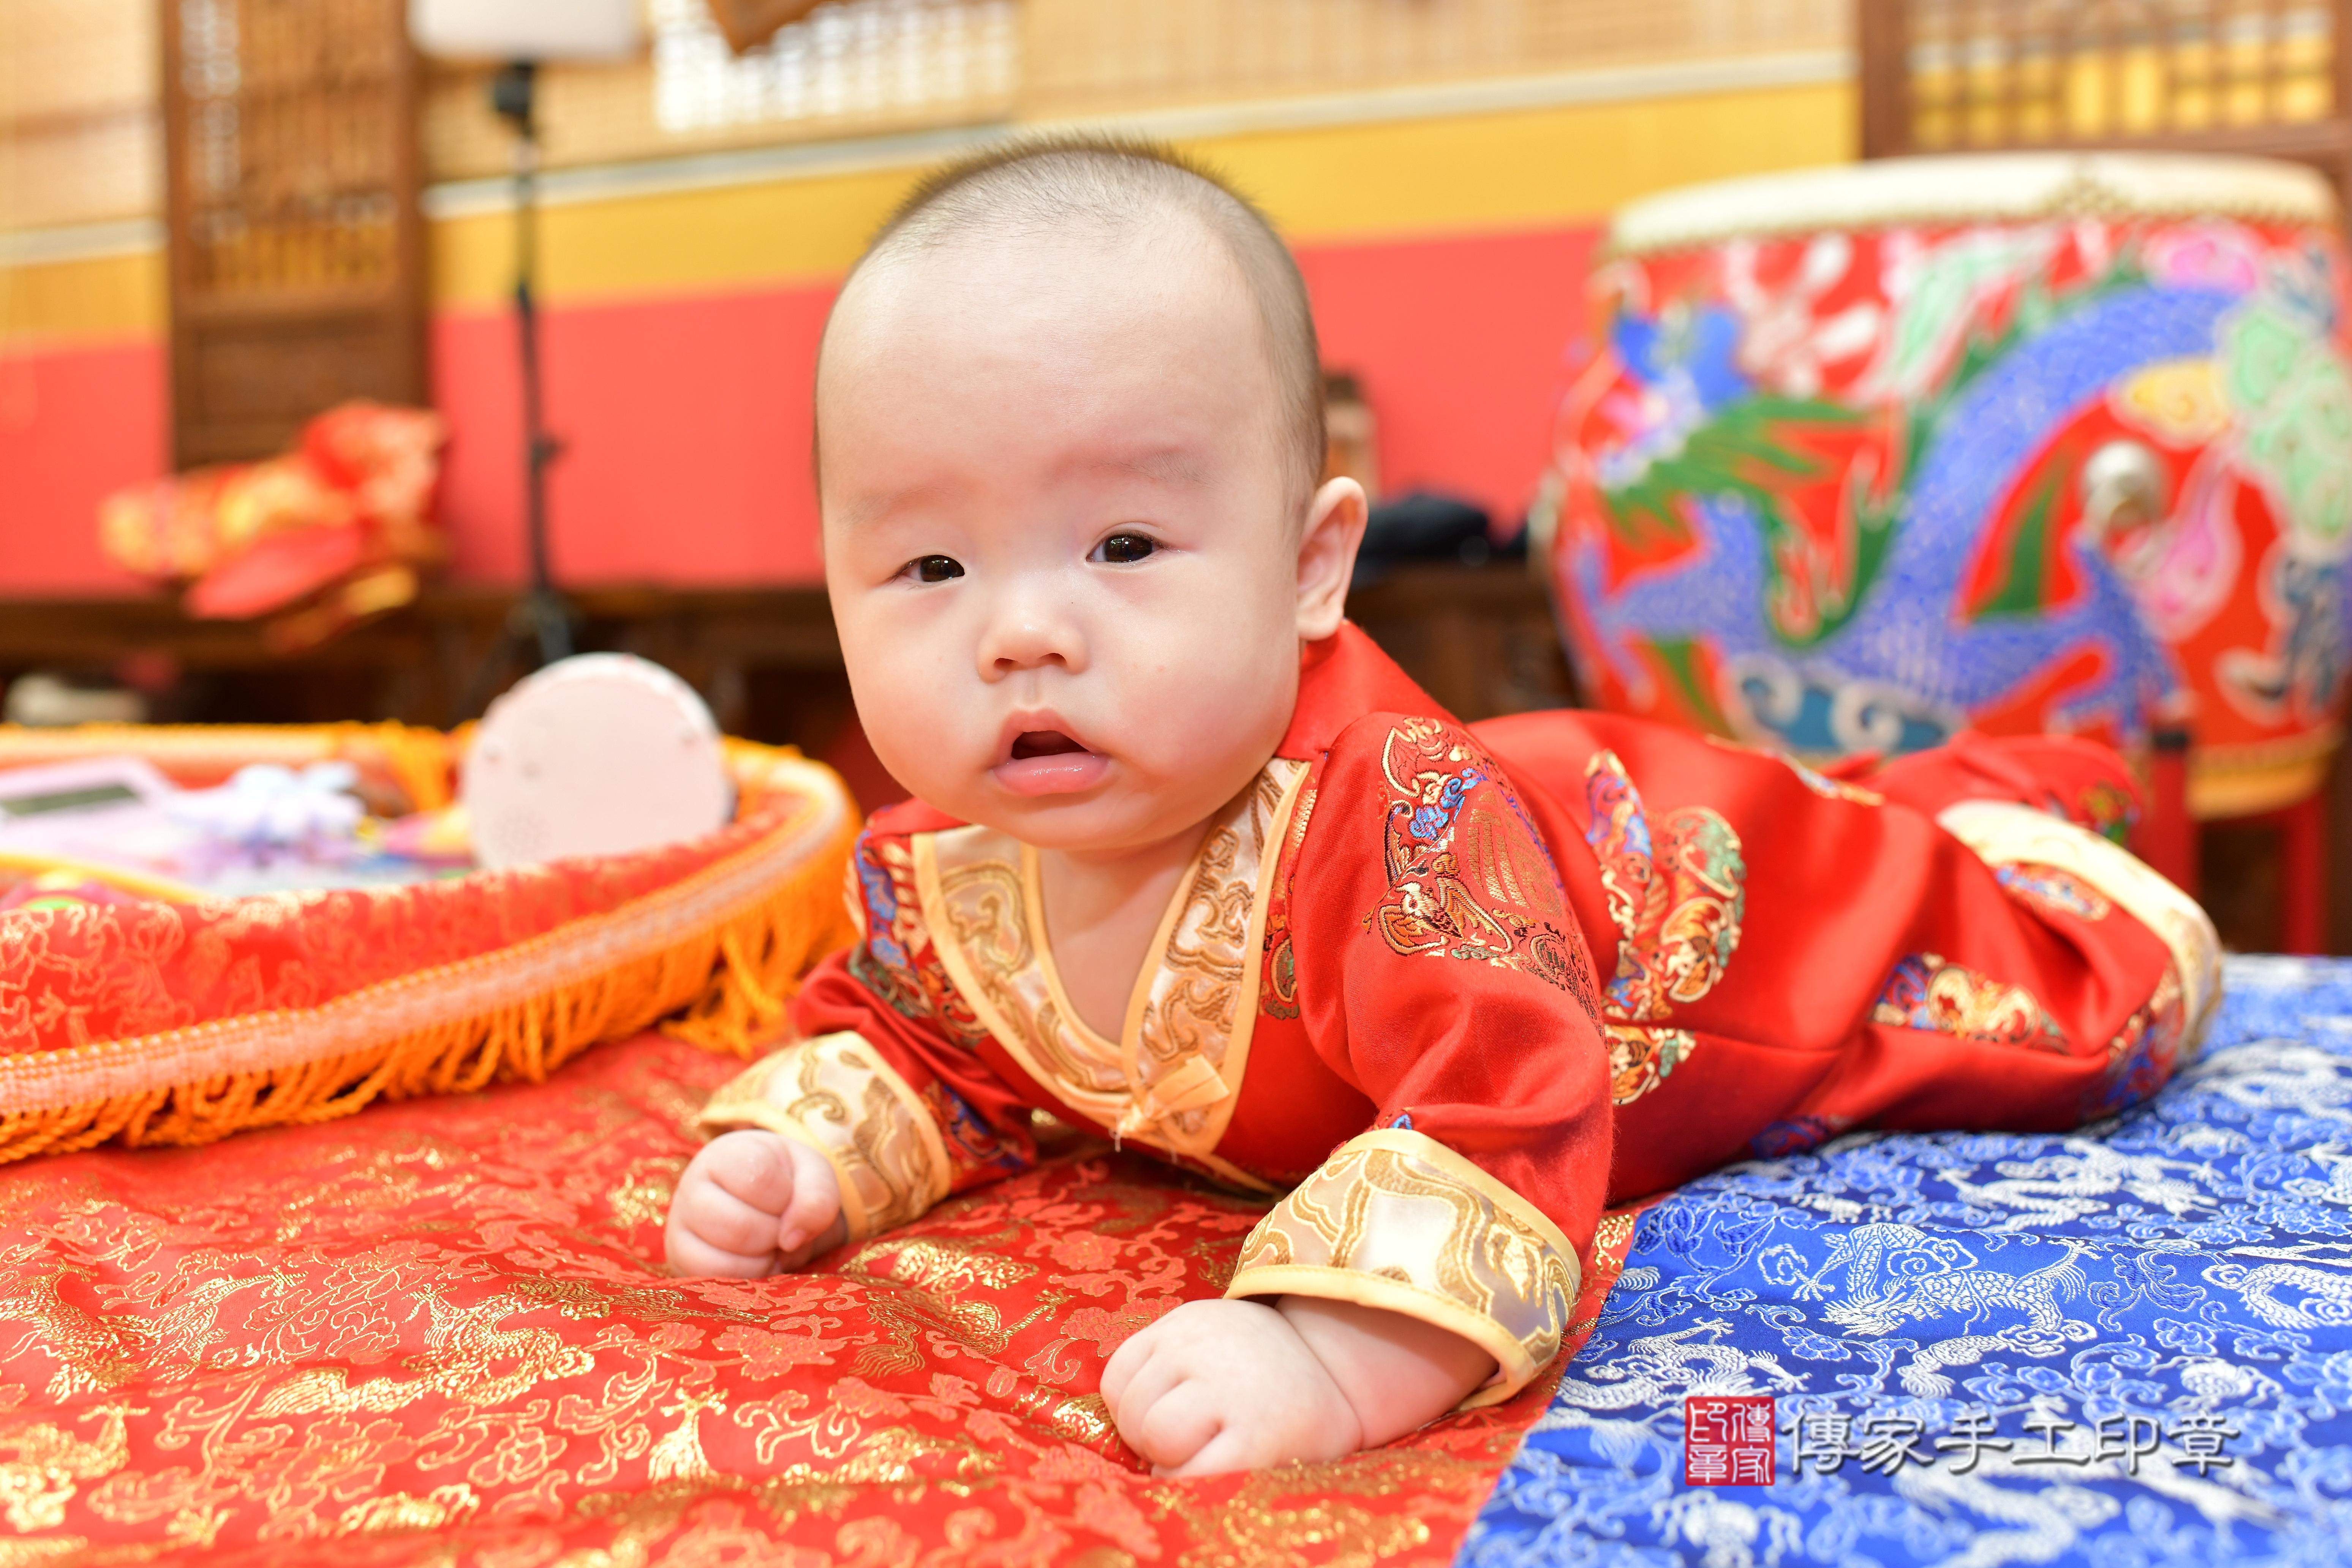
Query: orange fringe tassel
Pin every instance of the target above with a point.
(723, 989)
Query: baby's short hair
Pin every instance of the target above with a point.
(1045, 184)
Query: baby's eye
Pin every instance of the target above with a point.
(932, 568)
(1123, 549)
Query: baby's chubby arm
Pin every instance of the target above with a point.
(1233, 1384)
(753, 1203)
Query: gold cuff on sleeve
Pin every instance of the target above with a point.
(836, 1094)
(2002, 833)
(1398, 1221)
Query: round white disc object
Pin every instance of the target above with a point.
(598, 754)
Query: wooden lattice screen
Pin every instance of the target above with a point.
(297, 250)
(2270, 78)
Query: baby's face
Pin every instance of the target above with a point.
(1059, 534)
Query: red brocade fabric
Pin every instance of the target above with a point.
(432, 1334)
(70, 976)
(1849, 893)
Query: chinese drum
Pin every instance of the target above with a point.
(2023, 443)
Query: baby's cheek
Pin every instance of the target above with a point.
(912, 718)
(1226, 699)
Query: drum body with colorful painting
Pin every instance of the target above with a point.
(2023, 443)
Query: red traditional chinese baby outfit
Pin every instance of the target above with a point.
(1453, 992)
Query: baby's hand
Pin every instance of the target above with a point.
(1232, 1385)
(1226, 1386)
(751, 1204)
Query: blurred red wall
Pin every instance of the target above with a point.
(685, 418)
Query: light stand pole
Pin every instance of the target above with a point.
(541, 616)
(524, 34)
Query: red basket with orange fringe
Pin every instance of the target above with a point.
(173, 1017)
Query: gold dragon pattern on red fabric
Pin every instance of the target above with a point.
(1468, 874)
(1678, 902)
(435, 1333)
(1928, 991)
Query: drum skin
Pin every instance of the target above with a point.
(2076, 463)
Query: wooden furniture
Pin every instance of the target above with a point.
(1480, 639)
(296, 248)
(2260, 77)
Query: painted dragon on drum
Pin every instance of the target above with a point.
(2056, 443)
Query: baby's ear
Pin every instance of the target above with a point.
(1326, 557)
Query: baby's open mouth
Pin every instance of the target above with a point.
(1042, 743)
(1049, 761)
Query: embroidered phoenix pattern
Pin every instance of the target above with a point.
(1678, 901)
(1468, 875)
(1929, 992)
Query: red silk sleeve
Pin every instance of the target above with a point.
(2081, 781)
(984, 1124)
(1940, 943)
(1441, 972)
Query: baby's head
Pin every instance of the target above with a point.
(1070, 435)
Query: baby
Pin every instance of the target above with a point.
(1192, 863)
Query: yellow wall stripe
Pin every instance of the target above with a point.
(99, 300)
(1576, 163)
(1452, 174)
(1521, 170)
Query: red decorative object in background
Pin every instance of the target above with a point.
(330, 534)
(182, 1018)
(2029, 443)
(748, 23)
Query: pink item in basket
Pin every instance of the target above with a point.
(600, 755)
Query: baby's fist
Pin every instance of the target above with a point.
(752, 1202)
(1226, 1386)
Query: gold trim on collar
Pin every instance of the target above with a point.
(1171, 1079)
(1396, 1220)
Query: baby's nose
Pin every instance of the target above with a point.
(1031, 635)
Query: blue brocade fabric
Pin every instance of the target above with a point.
(2176, 1283)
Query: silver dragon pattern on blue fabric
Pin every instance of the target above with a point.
(2189, 1261)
